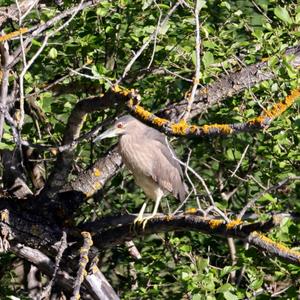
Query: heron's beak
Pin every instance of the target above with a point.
(109, 133)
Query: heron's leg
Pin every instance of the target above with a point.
(139, 218)
(157, 202)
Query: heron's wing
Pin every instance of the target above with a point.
(166, 148)
(166, 170)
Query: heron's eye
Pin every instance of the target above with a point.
(120, 125)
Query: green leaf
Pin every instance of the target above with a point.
(297, 18)
(282, 14)
(53, 53)
(4, 146)
(208, 59)
(224, 288)
(256, 284)
(229, 296)
(200, 4)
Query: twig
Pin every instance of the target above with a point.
(201, 180)
(191, 182)
(232, 251)
(146, 44)
(32, 60)
(155, 36)
(240, 161)
(5, 60)
(91, 77)
(37, 30)
(63, 246)
(197, 71)
(84, 251)
(272, 188)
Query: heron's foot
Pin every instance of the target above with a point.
(143, 221)
(138, 220)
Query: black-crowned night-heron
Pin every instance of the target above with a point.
(146, 153)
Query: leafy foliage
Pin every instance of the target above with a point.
(99, 42)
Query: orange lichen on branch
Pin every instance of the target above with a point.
(96, 172)
(191, 211)
(97, 185)
(277, 108)
(278, 246)
(13, 34)
(180, 128)
(213, 224)
(233, 223)
(193, 128)
(222, 128)
(168, 218)
(159, 121)
(143, 113)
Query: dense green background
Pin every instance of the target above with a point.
(233, 34)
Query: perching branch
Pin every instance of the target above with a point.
(122, 230)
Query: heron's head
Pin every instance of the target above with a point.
(124, 125)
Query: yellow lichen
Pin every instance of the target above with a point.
(130, 103)
(278, 246)
(277, 108)
(95, 269)
(233, 223)
(13, 34)
(180, 127)
(4, 216)
(116, 88)
(203, 91)
(168, 218)
(191, 210)
(96, 172)
(213, 224)
(159, 121)
(89, 194)
(87, 235)
(142, 112)
(97, 185)
(193, 128)
(223, 128)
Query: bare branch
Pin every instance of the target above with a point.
(146, 44)
(270, 189)
(198, 63)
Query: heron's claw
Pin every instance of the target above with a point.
(142, 221)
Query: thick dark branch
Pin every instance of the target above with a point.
(95, 177)
(228, 86)
(14, 180)
(45, 265)
(59, 175)
(249, 232)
